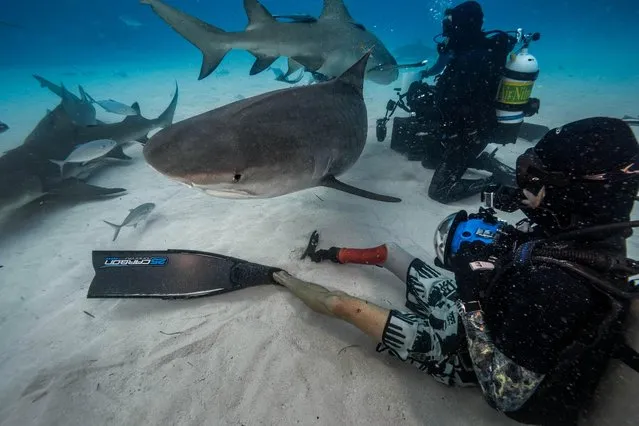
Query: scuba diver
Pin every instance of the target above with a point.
(533, 312)
(457, 118)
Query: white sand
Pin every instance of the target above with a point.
(255, 357)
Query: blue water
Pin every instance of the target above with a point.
(583, 37)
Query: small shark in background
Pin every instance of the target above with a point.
(80, 109)
(134, 217)
(329, 44)
(27, 172)
(417, 51)
(3, 127)
(82, 105)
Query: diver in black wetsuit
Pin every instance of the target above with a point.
(533, 313)
(464, 96)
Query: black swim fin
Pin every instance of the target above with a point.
(332, 182)
(532, 132)
(172, 274)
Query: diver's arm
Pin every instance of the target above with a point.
(442, 60)
(506, 385)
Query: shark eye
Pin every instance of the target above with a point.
(237, 178)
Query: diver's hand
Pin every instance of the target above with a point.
(474, 266)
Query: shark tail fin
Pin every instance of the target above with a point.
(354, 76)
(166, 118)
(202, 35)
(331, 182)
(116, 227)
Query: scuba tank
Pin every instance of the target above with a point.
(515, 88)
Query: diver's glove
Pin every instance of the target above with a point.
(476, 263)
(474, 266)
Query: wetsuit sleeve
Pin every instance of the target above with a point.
(506, 385)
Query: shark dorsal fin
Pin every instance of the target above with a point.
(257, 13)
(335, 9)
(354, 76)
(136, 107)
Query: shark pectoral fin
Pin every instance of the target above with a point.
(331, 182)
(212, 59)
(257, 14)
(312, 63)
(293, 66)
(532, 132)
(144, 139)
(117, 153)
(75, 188)
(136, 107)
(261, 63)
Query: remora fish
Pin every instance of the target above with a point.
(329, 45)
(134, 217)
(272, 144)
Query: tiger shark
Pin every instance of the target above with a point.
(328, 45)
(272, 144)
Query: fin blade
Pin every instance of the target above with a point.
(532, 132)
(162, 276)
(354, 76)
(261, 63)
(331, 182)
(136, 107)
(257, 14)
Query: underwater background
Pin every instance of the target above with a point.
(255, 357)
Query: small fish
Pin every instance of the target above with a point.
(3, 127)
(134, 217)
(116, 107)
(86, 152)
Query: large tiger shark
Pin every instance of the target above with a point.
(272, 144)
(328, 45)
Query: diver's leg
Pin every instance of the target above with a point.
(390, 256)
(447, 184)
(366, 316)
